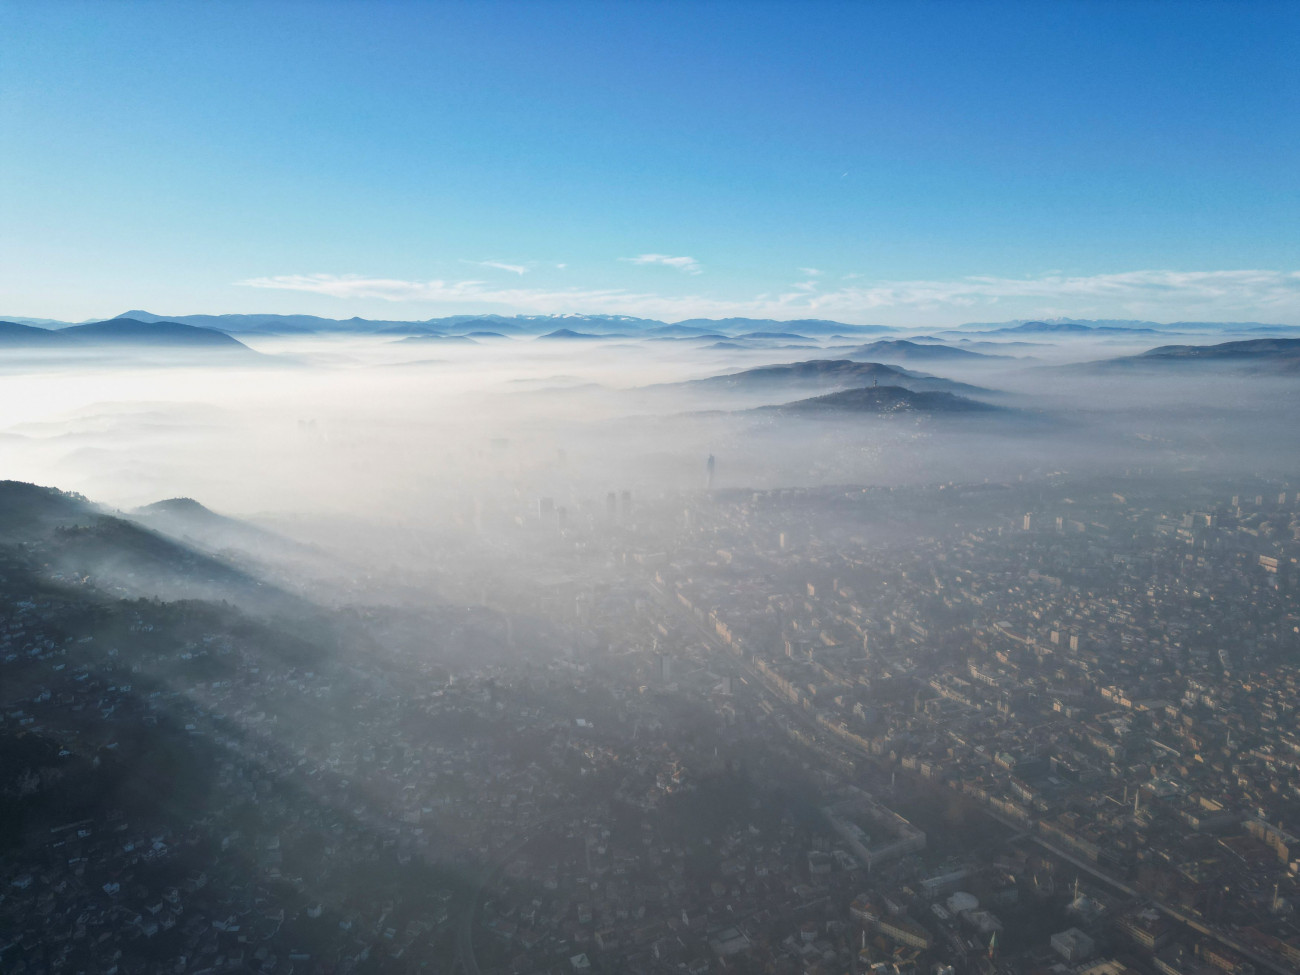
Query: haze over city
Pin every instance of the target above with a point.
(655, 488)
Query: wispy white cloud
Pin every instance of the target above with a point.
(500, 266)
(810, 272)
(1161, 295)
(1132, 290)
(689, 265)
(437, 290)
(524, 300)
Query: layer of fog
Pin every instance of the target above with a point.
(370, 444)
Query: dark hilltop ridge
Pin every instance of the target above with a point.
(74, 539)
(1278, 356)
(902, 349)
(177, 516)
(26, 509)
(128, 331)
(187, 521)
(1068, 328)
(563, 334)
(120, 333)
(1244, 349)
(184, 511)
(878, 400)
(786, 336)
(821, 374)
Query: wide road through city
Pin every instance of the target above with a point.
(465, 932)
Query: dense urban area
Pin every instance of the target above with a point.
(1038, 726)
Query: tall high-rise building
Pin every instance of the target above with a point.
(709, 466)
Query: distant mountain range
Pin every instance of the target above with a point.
(741, 329)
(1058, 327)
(1081, 326)
(612, 326)
(603, 325)
(119, 333)
(803, 326)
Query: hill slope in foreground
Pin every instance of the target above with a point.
(166, 764)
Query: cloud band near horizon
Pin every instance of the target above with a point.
(1149, 293)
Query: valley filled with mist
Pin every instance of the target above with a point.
(528, 644)
(434, 431)
(649, 488)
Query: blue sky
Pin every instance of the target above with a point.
(900, 163)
